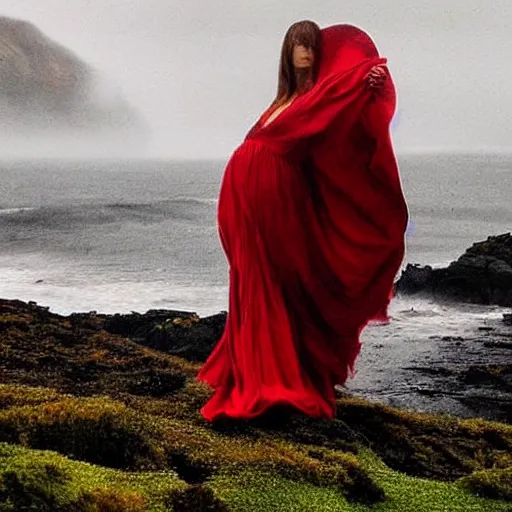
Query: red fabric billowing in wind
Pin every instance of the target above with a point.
(312, 220)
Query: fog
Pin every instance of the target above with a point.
(200, 72)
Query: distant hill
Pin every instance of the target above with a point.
(46, 88)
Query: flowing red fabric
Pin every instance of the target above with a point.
(312, 220)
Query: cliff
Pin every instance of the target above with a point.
(45, 87)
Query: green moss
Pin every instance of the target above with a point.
(104, 431)
(420, 495)
(19, 321)
(74, 355)
(99, 431)
(15, 395)
(492, 483)
(249, 491)
(48, 482)
(427, 445)
(185, 404)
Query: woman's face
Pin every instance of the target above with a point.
(303, 57)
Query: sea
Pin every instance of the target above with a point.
(117, 236)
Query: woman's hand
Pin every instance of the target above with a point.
(376, 77)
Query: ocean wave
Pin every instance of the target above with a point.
(179, 200)
(197, 200)
(482, 212)
(177, 208)
(14, 211)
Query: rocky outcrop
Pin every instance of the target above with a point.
(482, 275)
(177, 333)
(44, 87)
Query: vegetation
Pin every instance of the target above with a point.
(93, 422)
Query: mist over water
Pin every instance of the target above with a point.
(53, 104)
(200, 73)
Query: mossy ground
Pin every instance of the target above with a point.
(48, 481)
(403, 493)
(83, 428)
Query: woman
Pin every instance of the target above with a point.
(312, 220)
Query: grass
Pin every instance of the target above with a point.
(491, 483)
(47, 481)
(92, 422)
(248, 492)
(244, 468)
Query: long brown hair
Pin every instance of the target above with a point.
(306, 33)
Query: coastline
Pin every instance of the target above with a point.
(101, 412)
(80, 388)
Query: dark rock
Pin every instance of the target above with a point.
(498, 344)
(482, 275)
(437, 372)
(138, 325)
(416, 279)
(175, 332)
(499, 377)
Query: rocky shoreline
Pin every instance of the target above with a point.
(101, 413)
(473, 371)
(482, 275)
(79, 386)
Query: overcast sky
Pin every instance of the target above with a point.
(201, 71)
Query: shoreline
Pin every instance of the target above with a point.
(106, 409)
(464, 374)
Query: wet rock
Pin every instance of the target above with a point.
(434, 371)
(174, 332)
(138, 325)
(482, 275)
(499, 377)
(498, 344)
(418, 279)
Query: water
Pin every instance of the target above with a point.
(122, 236)
(111, 236)
(131, 236)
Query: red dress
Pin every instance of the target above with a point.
(312, 220)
